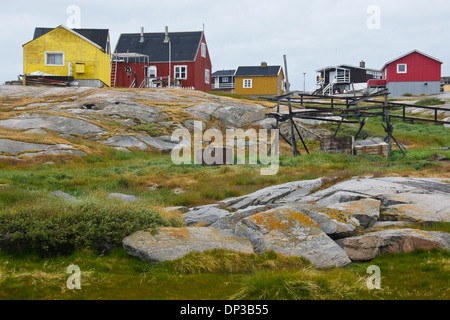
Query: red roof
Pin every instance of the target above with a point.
(409, 53)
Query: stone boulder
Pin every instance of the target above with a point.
(404, 199)
(207, 215)
(60, 194)
(367, 211)
(288, 192)
(334, 222)
(368, 246)
(287, 231)
(174, 243)
(416, 207)
(122, 197)
(230, 221)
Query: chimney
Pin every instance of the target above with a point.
(362, 64)
(166, 36)
(142, 35)
(264, 64)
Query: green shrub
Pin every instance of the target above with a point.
(60, 227)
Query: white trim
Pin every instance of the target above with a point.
(74, 32)
(55, 65)
(175, 72)
(402, 64)
(247, 83)
(203, 49)
(407, 54)
(207, 76)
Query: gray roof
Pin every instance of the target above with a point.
(97, 36)
(258, 71)
(184, 45)
(224, 73)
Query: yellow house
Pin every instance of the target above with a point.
(82, 55)
(262, 80)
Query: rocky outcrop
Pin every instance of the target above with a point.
(368, 246)
(60, 124)
(290, 232)
(206, 215)
(284, 193)
(231, 113)
(402, 199)
(282, 219)
(12, 149)
(174, 243)
(366, 211)
(89, 114)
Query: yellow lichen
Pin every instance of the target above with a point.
(180, 233)
(282, 219)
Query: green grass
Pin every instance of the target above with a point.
(429, 102)
(150, 128)
(221, 275)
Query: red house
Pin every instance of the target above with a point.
(415, 72)
(176, 59)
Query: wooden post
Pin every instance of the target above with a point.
(288, 85)
(388, 122)
(293, 143)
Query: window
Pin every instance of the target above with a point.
(181, 72)
(54, 58)
(207, 76)
(402, 68)
(248, 83)
(152, 72)
(225, 79)
(203, 50)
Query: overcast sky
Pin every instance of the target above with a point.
(312, 34)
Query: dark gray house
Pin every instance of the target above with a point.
(223, 80)
(344, 78)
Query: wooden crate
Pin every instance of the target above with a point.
(375, 147)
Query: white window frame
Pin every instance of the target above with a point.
(225, 79)
(402, 64)
(203, 50)
(247, 83)
(150, 69)
(207, 76)
(55, 52)
(177, 72)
